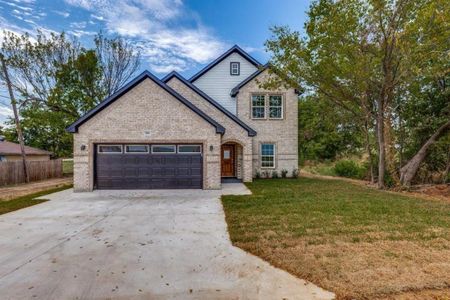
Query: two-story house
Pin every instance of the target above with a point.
(188, 133)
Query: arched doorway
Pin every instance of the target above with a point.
(231, 160)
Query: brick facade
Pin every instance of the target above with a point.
(145, 114)
(283, 133)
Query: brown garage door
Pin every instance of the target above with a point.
(126, 166)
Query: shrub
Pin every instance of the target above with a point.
(257, 174)
(295, 173)
(274, 174)
(284, 173)
(347, 168)
(265, 174)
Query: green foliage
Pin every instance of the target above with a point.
(284, 173)
(257, 174)
(325, 131)
(347, 168)
(295, 173)
(275, 174)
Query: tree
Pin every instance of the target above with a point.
(57, 80)
(362, 55)
(8, 84)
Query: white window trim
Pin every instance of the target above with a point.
(274, 155)
(252, 106)
(162, 145)
(128, 152)
(282, 107)
(178, 149)
(109, 145)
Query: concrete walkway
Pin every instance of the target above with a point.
(134, 245)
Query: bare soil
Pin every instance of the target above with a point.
(11, 192)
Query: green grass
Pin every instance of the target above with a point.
(333, 209)
(326, 169)
(29, 200)
(339, 235)
(67, 166)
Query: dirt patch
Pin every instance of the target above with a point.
(12, 192)
(383, 269)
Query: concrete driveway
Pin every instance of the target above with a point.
(134, 245)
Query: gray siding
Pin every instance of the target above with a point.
(218, 82)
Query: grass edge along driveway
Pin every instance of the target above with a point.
(28, 200)
(357, 242)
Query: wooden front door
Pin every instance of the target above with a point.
(228, 160)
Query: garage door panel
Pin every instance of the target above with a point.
(148, 171)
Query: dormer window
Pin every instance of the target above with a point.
(235, 68)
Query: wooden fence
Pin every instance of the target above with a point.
(11, 172)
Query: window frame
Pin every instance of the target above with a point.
(109, 145)
(281, 106)
(274, 155)
(132, 152)
(181, 145)
(162, 145)
(238, 64)
(252, 106)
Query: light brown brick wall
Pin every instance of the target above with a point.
(284, 133)
(146, 107)
(233, 131)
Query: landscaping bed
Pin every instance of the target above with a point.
(355, 241)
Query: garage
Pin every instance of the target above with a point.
(148, 166)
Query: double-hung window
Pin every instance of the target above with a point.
(275, 107)
(258, 106)
(267, 106)
(267, 155)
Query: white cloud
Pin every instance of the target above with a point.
(155, 26)
(5, 113)
(64, 14)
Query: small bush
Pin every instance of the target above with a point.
(257, 174)
(265, 174)
(347, 168)
(295, 173)
(275, 174)
(284, 173)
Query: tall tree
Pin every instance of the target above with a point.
(8, 84)
(361, 55)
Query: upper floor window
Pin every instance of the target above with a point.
(272, 105)
(258, 106)
(235, 68)
(275, 107)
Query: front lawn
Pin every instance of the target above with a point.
(29, 200)
(355, 241)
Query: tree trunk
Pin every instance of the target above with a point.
(16, 118)
(408, 171)
(447, 168)
(381, 146)
(369, 152)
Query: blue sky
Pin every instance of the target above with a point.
(181, 35)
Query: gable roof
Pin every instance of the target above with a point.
(144, 75)
(10, 148)
(234, 49)
(175, 74)
(236, 89)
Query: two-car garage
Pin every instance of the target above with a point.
(148, 166)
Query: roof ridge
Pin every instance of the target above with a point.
(251, 132)
(233, 49)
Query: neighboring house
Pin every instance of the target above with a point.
(179, 133)
(11, 152)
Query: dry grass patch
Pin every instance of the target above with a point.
(357, 242)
